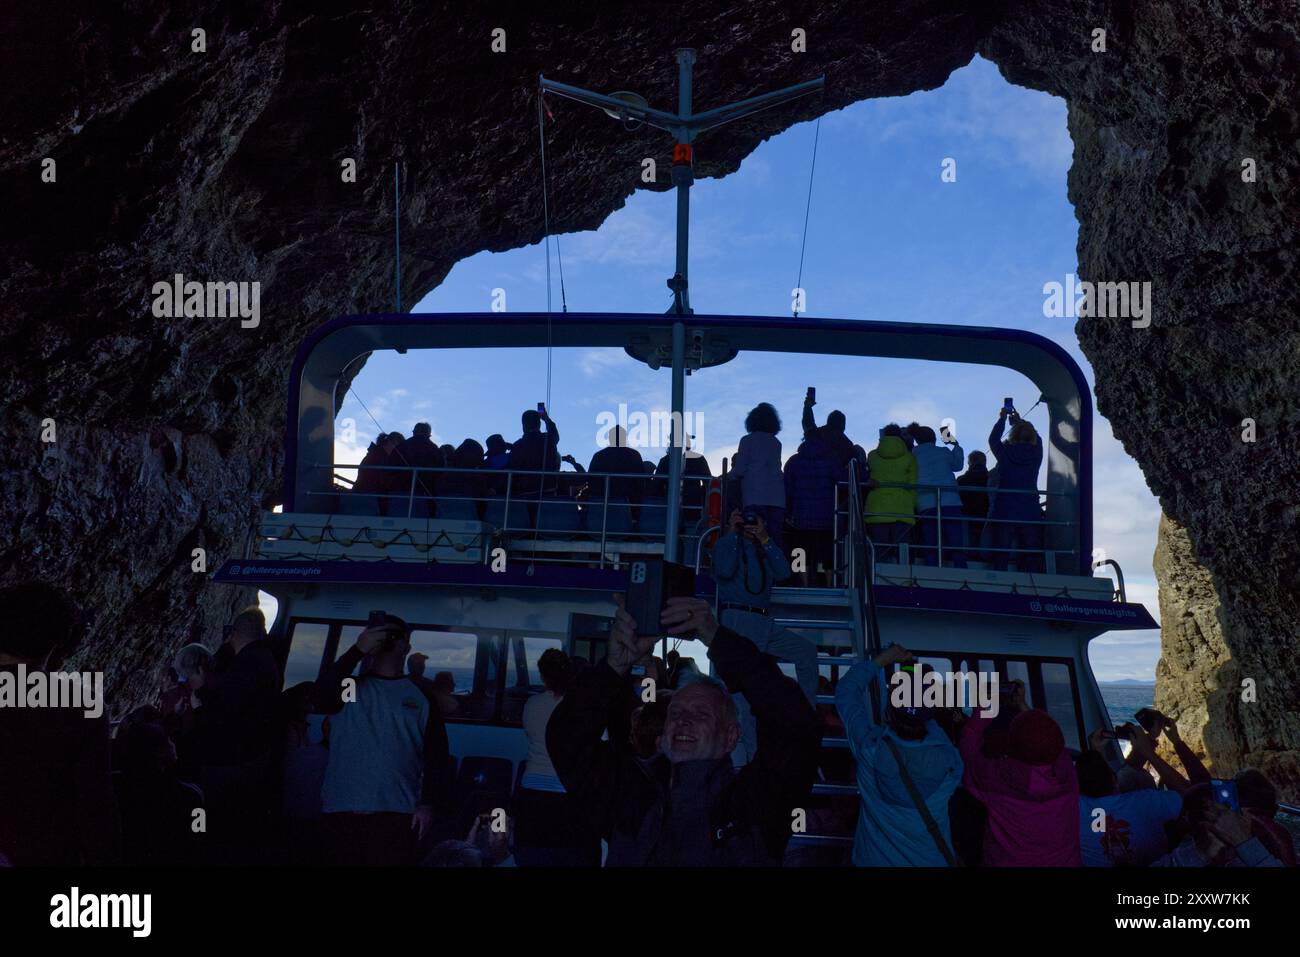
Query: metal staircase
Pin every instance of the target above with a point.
(841, 621)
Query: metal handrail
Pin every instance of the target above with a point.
(1119, 577)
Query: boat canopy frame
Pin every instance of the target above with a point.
(693, 342)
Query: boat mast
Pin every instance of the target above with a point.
(685, 125)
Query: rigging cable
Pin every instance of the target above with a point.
(397, 232)
(808, 207)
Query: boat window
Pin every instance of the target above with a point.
(306, 651)
(463, 667)
(522, 677)
(1058, 688)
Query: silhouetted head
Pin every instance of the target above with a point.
(894, 429)
(763, 418)
(920, 434)
(444, 681)
(1096, 779)
(469, 455)
(415, 664)
(616, 437)
(391, 441)
(978, 460)
(532, 421)
(1035, 738)
(496, 444)
(191, 660)
(1023, 433)
(554, 668)
(422, 430)
(249, 625)
(836, 421)
(37, 622)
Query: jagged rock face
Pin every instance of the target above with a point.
(225, 165)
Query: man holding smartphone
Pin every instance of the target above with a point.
(746, 564)
(388, 750)
(535, 451)
(688, 806)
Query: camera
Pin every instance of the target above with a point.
(749, 517)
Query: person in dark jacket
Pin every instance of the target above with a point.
(373, 477)
(234, 737)
(535, 451)
(1015, 513)
(463, 490)
(617, 459)
(56, 795)
(811, 475)
(419, 452)
(832, 433)
(975, 503)
(695, 483)
(688, 806)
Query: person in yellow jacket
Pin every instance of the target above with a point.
(891, 502)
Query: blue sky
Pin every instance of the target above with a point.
(887, 240)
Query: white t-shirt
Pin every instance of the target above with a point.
(540, 775)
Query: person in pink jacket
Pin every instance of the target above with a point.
(1030, 790)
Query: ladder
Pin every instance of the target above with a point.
(841, 621)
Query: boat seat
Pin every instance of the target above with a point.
(618, 521)
(559, 515)
(495, 514)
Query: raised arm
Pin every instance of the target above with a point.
(995, 436)
(809, 419)
(584, 763)
(1197, 773)
(1144, 745)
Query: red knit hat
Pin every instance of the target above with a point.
(1035, 738)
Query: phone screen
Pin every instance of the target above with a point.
(541, 407)
(1225, 794)
(1008, 404)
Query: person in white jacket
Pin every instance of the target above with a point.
(938, 503)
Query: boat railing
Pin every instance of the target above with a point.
(907, 546)
(556, 515)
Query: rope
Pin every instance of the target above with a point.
(397, 227)
(808, 207)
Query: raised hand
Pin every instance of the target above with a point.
(689, 616)
(626, 648)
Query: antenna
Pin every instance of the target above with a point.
(685, 125)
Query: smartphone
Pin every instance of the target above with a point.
(812, 394)
(541, 408)
(749, 518)
(1008, 405)
(1122, 732)
(945, 433)
(651, 582)
(1225, 794)
(376, 619)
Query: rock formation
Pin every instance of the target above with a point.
(225, 164)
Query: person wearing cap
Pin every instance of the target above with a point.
(1031, 791)
(892, 830)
